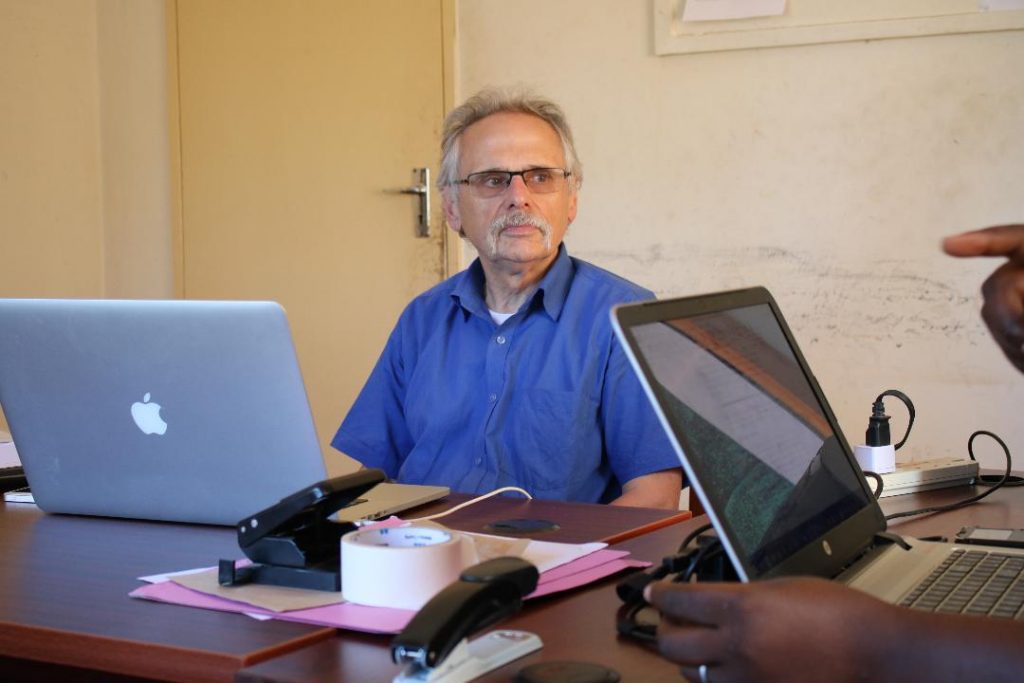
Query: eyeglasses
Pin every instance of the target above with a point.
(487, 184)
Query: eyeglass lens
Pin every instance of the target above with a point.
(493, 183)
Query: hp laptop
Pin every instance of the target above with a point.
(185, 411)
(766, 457)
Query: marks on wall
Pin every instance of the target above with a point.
(824, 297)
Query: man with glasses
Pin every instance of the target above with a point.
(508, 373)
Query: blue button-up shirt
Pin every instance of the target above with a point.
(546, 401)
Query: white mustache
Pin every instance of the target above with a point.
(519, 218)
(516, 218)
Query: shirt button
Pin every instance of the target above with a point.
(479, 460)
(500, 339)
(492, 398)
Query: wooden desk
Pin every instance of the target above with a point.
(65, 611)
(1004, 509)
(64, 584)
(581, 625)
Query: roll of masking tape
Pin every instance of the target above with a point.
(401, 567)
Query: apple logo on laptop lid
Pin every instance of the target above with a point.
(147, 416)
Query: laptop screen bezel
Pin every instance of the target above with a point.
(826, 555)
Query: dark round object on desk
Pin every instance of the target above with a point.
(521, 527)
(567, 672)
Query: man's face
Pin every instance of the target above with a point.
(517, 226)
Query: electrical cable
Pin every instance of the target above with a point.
(878, 436)
(879, 409)
(694, 534)
(635, 618)
(460, 506)
(1002, 481)
(877, 493)
(877, 453)
(997, 480)
(707, 552)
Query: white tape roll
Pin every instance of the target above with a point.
(401, 567)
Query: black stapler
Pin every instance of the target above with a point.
(435, 645)
(294, 542)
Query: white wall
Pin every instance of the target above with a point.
(827, 173)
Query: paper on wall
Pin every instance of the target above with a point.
(996, 5)
(720, 10)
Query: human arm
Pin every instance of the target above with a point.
(809, 629)
(654, 490)
(639, 451)
(1003, 310)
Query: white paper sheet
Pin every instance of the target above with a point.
(8, 454)
(996, 5)
(719, 10)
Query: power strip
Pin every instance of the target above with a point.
(924, 475)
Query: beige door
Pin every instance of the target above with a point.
(297, 122)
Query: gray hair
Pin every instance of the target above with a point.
(494, 101)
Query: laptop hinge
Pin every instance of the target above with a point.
(879, 543)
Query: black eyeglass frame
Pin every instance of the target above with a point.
(509, 175)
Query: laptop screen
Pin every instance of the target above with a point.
(762, 448)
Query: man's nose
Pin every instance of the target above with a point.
(517, 193)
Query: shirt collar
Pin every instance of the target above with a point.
(552, 291)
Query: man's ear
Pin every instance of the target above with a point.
(450, 204)
(572, 207)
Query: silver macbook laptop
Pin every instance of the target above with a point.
(185, 411)
(766, 457)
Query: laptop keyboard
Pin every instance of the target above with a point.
(984, 583)
(12, 478)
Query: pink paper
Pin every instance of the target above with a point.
(354, 617)
(345, 615)
(584, 577)
(580, 564)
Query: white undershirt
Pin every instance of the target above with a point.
(499, 318)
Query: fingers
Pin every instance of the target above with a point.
(1003, 311)
(692, 630)
(704, 604)
(713, 674)
(999, 240)
(690, 645)
(690, 673)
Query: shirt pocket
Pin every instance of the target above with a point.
(556, 441)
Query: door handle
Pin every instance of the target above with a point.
(423, 190)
